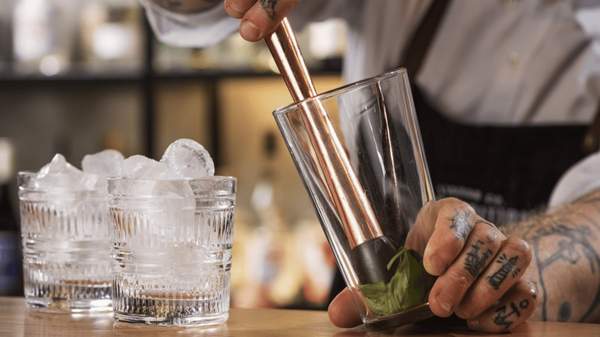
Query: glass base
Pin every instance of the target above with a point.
(45, 304)
(413, 315)
(190, 321)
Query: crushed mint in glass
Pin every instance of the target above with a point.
(408, 287)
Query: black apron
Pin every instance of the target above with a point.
(505, 173)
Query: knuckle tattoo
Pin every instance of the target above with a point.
(506, 314)
(477, 258)
(508, 266)
(461, 223)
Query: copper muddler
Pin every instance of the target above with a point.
(349, 198)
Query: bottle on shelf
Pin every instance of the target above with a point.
(43, 35)
(110, 35)
(273, 276)
(10, 248)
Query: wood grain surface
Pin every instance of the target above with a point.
(18, 321)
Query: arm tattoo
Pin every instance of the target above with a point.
(503, 315)
(508, 267)
(573, 247)
(269, 7)
(461, 223)
(475, 262)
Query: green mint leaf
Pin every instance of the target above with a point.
(408, 286)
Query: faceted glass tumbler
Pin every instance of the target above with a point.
(66, 248)
(172, 243)
(377, 128)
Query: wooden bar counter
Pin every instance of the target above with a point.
(17, 321)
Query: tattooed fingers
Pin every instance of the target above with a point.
(259, 17)
(482, 244)
(476, 264)
(515, 307)
(453, 222)
(501, 275)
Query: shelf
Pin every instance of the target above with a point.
(136, 77)
(71, 78)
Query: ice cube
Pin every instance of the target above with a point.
(140, 167)
(189, 159)
(60, 175)
(105, 163)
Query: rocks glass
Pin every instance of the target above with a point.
(66, 236)
(172, 249)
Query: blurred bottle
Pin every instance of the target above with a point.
(274, 276)
(5, 35)
(43, 34)
(10, 252)
(111, 35)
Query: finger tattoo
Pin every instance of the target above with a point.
(503, 315)
(476, 261)
(461, 224)
(508, 267)
(269, 7)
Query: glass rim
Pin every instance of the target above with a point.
(203, 179)
(208, 178)
(341, 90)
(30, 174)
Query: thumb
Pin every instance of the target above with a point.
(342, 310)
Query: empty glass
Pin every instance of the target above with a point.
(172, 249)
(66, 248)
(380, 135)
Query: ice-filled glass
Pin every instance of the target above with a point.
(172, 249)
(378, 132)
(66, 247)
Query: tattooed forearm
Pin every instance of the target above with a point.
(572, 246)
(461, 223)
(477, 258)
(505, 315)
(508, 267)
(566, 260)
(269, 7)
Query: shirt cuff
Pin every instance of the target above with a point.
(579, 180)
(190, 30)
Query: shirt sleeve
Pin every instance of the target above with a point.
(213, 25)
(201, 29)
(582, 178)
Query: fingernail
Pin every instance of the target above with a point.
(446, 306)
(432, 265)
(249, 31)
(234, 7)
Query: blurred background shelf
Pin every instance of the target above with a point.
(135, 76)
(79, 76)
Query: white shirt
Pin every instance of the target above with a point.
(488, 64)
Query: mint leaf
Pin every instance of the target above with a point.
(408, 287)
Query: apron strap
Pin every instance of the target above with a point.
(416, 50)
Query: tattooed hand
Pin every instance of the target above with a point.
(259, 17)
(479, 270)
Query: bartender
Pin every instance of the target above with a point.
(507, 94)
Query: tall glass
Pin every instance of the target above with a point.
(66, 248)
(172, 250)
(378, 130)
